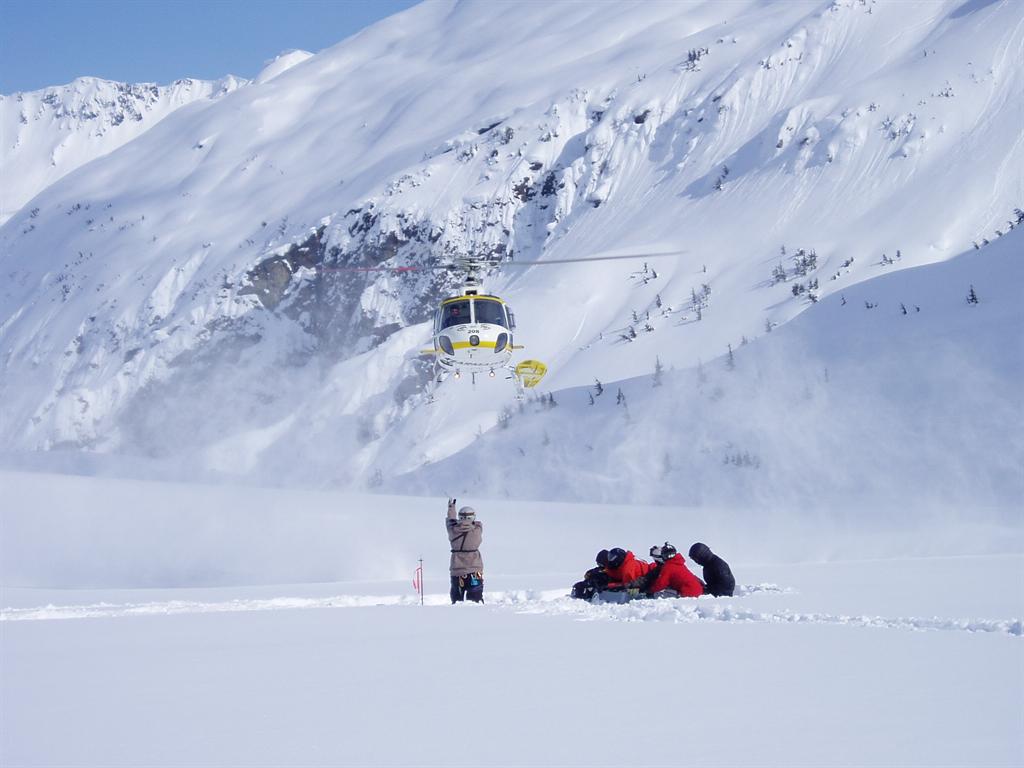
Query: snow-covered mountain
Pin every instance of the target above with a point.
(822, 383)
(46, 134)
(167, 299)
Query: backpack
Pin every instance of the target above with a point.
(583, 590)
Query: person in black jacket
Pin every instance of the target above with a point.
(718, 578)
(595, 580)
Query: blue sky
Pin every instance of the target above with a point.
(51, 42)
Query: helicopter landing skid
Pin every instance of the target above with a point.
(523, 376)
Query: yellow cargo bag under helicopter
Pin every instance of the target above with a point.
(530, 372)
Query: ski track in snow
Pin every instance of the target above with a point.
(548, 602)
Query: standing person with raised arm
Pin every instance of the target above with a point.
(465, 533)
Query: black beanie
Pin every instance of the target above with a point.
(616, 557)
(700, 553)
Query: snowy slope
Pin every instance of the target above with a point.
(894, 391)
(166, 300)
(46, 134)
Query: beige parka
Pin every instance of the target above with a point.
(464, 536)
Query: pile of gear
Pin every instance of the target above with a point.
(620, 576)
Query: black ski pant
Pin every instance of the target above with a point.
(469, 587)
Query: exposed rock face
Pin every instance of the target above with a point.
(386, 264)
(269, 280)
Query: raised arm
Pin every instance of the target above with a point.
(451, 510)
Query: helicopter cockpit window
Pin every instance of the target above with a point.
(456, 313)
(489, 311)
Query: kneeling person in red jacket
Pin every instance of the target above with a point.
(625, 571)
(672, 574)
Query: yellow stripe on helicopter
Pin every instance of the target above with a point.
(461, 345)
(453, 299)
(467, 345)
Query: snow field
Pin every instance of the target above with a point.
(201, 658)
(550, 602)
(63, 531)
(323, 686)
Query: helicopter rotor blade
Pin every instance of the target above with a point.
(660, 254)
(499, 264)
(416, 268)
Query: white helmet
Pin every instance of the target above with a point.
(665, 552)
(467, 513)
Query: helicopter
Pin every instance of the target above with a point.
(473, 331)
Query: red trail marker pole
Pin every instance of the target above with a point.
(417, 580)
